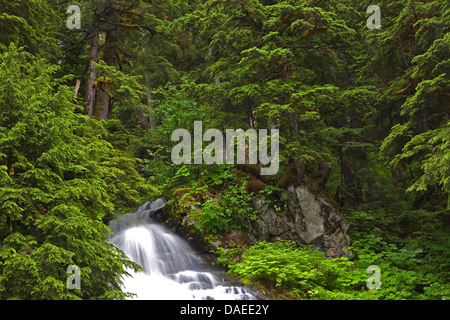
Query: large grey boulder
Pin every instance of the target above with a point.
(306, 218)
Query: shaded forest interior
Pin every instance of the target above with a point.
(87, 114)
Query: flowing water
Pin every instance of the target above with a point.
(171, 271)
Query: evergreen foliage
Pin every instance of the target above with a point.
(60, 178)
(363, 115)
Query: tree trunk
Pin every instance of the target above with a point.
(109, 53)
(352, 185)
(93, 57)
(150, 105)
(293, 123)
(147, 122)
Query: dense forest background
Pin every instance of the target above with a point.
(86, 116)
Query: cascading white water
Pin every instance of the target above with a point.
(170, 269)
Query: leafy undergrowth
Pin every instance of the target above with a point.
(281, 270)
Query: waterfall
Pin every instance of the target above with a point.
(170, 269)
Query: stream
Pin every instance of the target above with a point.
(170, 269)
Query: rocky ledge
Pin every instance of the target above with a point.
(303, 216)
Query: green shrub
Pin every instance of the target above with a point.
(295, 271)
(303, 273)
(226, 210)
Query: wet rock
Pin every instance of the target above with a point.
(303, 216)
(308, 218)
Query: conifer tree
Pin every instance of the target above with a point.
(131, 38)
(31, 24)
(413, 65)
(59, 180)
(275, 64)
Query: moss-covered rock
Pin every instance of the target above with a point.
(288, 178)
(306, 218)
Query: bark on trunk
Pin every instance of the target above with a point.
(109, 53)
(150, 105)
(293, 123)
(147, 122)
(351, 182)
(93, 57)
